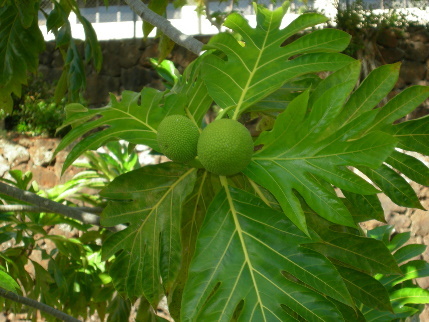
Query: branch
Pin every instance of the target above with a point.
(165, 26)
(29, 208)
(52, 206)
(37, 305)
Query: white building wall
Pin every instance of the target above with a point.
(118, 22)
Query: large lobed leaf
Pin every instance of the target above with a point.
(126, 119)
(303, 154)
(249, 265)
(149, 200)
(261, 64)
(21, 42)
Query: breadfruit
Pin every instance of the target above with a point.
(178, 138)
(225, 147)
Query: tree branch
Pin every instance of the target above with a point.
(165, 26)
(29, 208)
(52, 206)
(37, 305)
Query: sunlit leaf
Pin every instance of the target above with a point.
(127, 119)
(302, 154)
(262, 65)
(8, 283)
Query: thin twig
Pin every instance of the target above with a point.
(52, 206)
(165, 26)
(30, 208)
(37, 305)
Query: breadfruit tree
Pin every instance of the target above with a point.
(265, 227)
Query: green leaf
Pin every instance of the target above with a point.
(393, 185)
(92, 46)
(409, 251)
(398, 240)
(262, 65)
(149, 200)
(21, 42)
(410, 295)
(230, 273)
(411, 167)
(411, 270)
(27, 11)
(190, 93)
(157, 6)
(366, 289)
(127, 120)
(413, 135)
(303, 155)
(194, 210)
(119, 309)
(76, 71)
(401, 105)
(361, 253)
(364, 208)
(277, 101)
(8, 283)
(373, 89)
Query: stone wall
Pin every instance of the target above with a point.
(126, 66)
(412, 49)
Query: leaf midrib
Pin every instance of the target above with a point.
(240, 233)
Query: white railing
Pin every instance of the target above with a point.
(119, 22)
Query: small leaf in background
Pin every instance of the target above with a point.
(149, 200)
(165, 46)
(410, 295)
(8, 283)
(157, 6)
(166, 70)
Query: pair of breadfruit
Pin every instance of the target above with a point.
(224, 147)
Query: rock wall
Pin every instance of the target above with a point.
(411, 48)
(126, 66)
(35, 155)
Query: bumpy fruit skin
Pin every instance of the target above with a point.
(178, 138)
(225, 147)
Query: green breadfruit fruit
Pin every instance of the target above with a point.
(225, 147)
(178, 137)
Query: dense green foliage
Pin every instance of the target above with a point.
(225, 147)
(36, 112)
(280, 240)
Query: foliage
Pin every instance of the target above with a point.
(22, 42)
(279, 241)
(406, 297)
(204, 240)
(365, 25)
(66, 273)
(36, 112)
